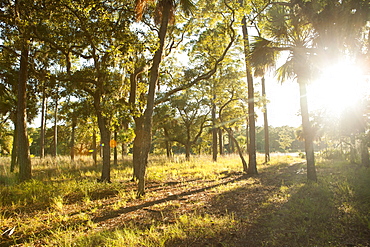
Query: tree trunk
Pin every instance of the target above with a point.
(72, 145)
(105, 139)
(124, 150)
(23, 150)
(14, 162)
(42, 127)
(231, 142)
(94, 147)
(240, 152)
(220, 141)
(55, 150)
(265, 123)
(167, 143)
(115, 153)
(352, 149)
(154, 73)
(307, 132)
(187, 151)
(252, 166)
(137, 147)
(214, 132)
(365, 153)
(124, 143)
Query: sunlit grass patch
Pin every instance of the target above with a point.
(197, 168)
(187, 230)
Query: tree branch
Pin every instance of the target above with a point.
(209, 73)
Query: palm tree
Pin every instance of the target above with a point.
(289, 31)
(164, 14)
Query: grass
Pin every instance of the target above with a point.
(188, 203)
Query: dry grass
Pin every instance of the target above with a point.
(195, 203)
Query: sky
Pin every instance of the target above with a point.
(340, 86)
(283, 104)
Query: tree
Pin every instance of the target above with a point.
(165, 13)
(290, 31)
(252, 165)
(191, 106)
(98, 34)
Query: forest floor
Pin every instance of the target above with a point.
(277, 207)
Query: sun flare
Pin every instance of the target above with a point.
(340, 87)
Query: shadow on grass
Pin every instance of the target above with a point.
(286, 210)
(117, 213)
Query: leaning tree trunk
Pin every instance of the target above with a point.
(231, 143)
(23, 150)
(145, 143)
(240, 152)
(307, 132)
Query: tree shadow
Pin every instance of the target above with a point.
(287, 210)
(179, 196)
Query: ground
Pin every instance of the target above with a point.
(277, 207)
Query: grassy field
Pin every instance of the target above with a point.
(188, 203)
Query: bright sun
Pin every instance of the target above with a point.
(341, 86)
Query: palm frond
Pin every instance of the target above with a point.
(187, 6)
(263, 55)
(286, 71)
